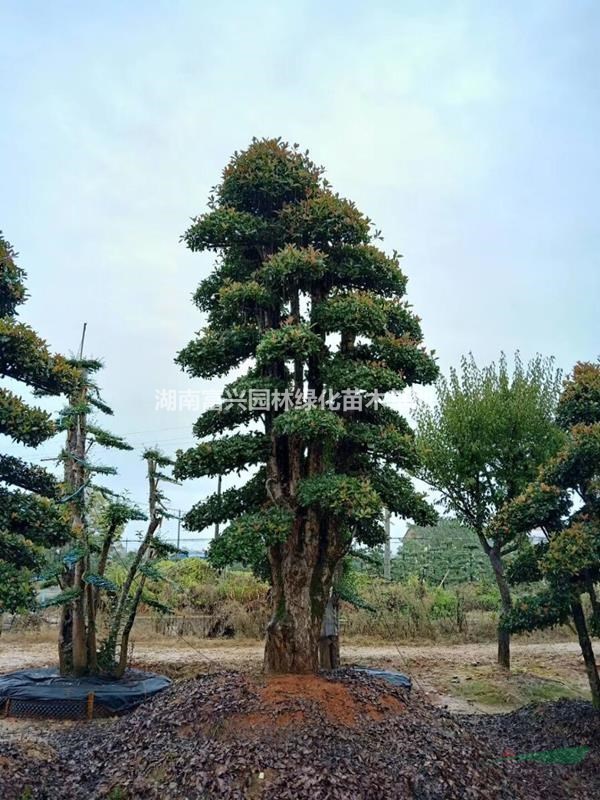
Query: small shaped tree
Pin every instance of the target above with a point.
(82, 578)
(30, 517)
(303, 299)
(564, 503)
(126, 599)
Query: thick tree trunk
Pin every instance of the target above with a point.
(302, 575)
(292, 635)
(302, 566)
(586, 649)
(506, 599)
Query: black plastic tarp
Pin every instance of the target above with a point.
(48, 685)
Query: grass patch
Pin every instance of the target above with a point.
(494, 688)
(481, 691)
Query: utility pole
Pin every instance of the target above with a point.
(178, 527)
(387, 550)
(219, 496)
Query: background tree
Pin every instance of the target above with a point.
(481, 444)
(445, 553)
(30, 518)
(564, 503)
(300, 289)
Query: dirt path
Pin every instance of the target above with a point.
(19, 651)
(461, 677)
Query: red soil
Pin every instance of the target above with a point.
(295, 699)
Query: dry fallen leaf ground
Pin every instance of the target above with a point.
(234, 734)
(230, 735)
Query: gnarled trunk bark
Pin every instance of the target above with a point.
(302, 571)
(302, 566)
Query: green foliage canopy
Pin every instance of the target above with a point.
(564, 503)
(485, 437)
(30, 518)
(304, 301)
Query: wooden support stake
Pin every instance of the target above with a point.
(7, 708)
(387, 550)
(90, 706)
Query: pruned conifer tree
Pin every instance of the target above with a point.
(311, 315)
(30, 517)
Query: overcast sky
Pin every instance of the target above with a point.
(468, 131)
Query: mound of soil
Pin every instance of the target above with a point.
(298, 700)
(227, 735)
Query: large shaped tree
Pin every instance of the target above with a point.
(30, 519)
(303, 299)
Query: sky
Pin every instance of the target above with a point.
(467, 131)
